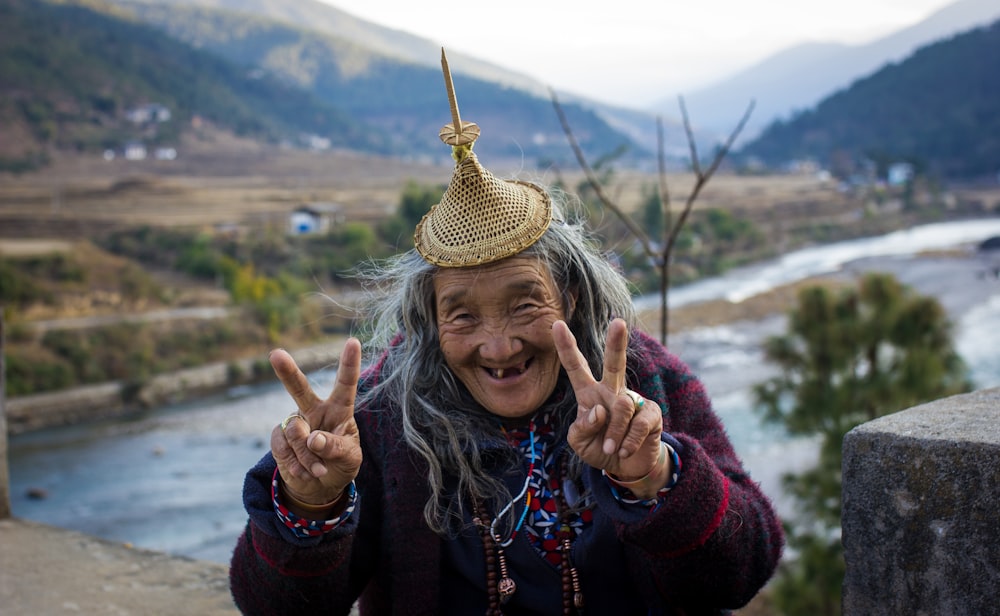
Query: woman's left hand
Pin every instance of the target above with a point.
(611, 431)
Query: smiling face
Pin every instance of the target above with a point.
(495, 329)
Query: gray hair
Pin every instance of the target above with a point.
(442, 423)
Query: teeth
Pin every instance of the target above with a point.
(500, 372)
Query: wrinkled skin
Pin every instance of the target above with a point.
(502, 333)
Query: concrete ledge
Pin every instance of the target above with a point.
(46, 570)
(921, 517)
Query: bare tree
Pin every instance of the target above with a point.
(661, 256)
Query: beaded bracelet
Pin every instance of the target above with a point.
(626, 495)
(303, 527)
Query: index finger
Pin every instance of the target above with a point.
(295, 382)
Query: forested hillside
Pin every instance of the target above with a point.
(405, 99)
(73, 73)
(939, 110)
(70, 75)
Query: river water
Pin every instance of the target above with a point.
(170, 479)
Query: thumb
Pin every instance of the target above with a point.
(590, 422)
(331, 446)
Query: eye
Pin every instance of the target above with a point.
(525, 307)
(459, 317)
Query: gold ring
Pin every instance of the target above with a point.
(637, 400)
(287, 420)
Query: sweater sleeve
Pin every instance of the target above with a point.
(275, 572)
(716, 539)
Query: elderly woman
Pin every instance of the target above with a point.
(518, 446)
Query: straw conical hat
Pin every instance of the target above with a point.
(480, 218)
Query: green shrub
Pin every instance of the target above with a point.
(17, 287)
(26, 375)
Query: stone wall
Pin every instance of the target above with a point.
(921, 525)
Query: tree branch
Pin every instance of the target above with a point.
(595, 183)
(670, 231)
(702, 178)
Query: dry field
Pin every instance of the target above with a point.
(225, 182)
(219, 180)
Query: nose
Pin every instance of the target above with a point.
(498, 344)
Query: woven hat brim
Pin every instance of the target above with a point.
(482, 219)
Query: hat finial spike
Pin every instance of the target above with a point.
(452, 102)
(458, 133)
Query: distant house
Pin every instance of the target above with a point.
(135, 151)
(802, 166)
(316, 142)
(166, 154)
(144, 114)
(899, 174)
(314, 218)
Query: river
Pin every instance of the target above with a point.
(170, 479)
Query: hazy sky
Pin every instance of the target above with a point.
(636, 51)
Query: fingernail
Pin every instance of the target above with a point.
(318, 442)
(318, 470)
(609, 447)
(622, 453)
(593, 415)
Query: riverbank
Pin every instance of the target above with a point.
(956, 277)
(117, 399)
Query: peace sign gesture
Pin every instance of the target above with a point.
(615, 429)
(317, 449)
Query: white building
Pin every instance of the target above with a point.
(135, 151)
(899, 174)
(143, 114)
(314, 218)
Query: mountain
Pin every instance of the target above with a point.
(368, 37)
(938, 110)
(326, 19)
(405, 99)
(74, 79)
(72, 72)
(797, 78)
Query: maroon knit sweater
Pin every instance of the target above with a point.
(710, 547)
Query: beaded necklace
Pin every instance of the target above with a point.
(525, 493)
(500, 585)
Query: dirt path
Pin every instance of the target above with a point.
(45, 570)
(173, 314)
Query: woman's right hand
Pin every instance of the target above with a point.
(318, 461)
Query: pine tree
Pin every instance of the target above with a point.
(848, 357)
